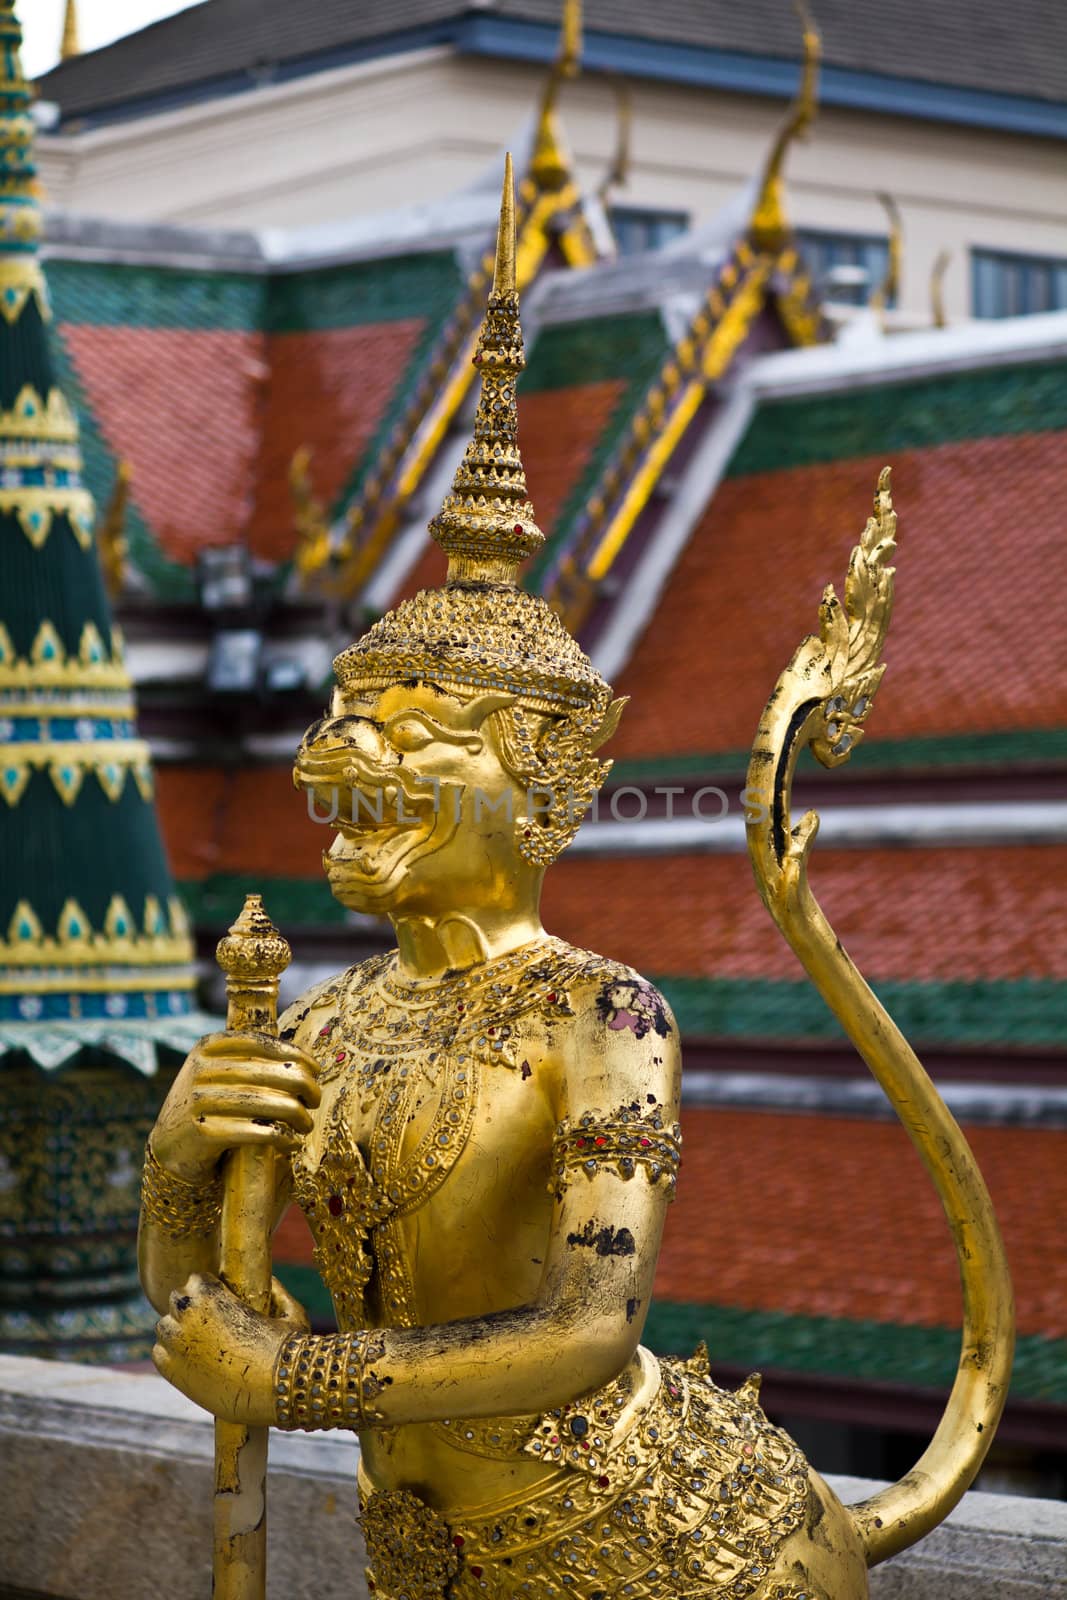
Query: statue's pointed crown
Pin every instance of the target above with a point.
(481, 631)
(486, 526)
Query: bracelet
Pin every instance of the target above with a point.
(179, 1209)
(320, 1381)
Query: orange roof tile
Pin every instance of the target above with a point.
(248, 820)
(192, 476)
(327, 390)
(977, 638)
(209, 420)
(968, 914)
(834, 1216)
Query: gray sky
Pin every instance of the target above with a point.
(99, 21)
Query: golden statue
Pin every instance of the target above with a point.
(482, 1125)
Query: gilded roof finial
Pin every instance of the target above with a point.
(111, 538)
(486, 525)
(618, 173)
(71, 45)
(889, 288)
(937, 289)
(768, 228)
(549, 165)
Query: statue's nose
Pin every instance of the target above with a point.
(341, 738)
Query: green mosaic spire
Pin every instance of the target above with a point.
(90, 926)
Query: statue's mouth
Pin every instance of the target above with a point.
(382, 817)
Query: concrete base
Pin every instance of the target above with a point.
(105, 1484)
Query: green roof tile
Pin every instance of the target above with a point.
(904, 416)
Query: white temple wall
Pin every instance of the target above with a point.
(412, 128)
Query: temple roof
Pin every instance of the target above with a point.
(979, 454)
(225, 47)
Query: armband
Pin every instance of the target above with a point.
(180, 1210)
(631, 1140)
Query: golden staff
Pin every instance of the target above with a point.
(253, 955)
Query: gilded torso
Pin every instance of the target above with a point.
(429, 1180)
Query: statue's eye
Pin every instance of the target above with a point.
(407, 735)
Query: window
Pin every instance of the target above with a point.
(637, 230)
(845, 267)
(1005, 285)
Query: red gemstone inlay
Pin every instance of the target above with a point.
(579, 1144)
(339, 1055)
(645, 1143)
(601, 1139)
(551, 998)
(336, 1205)
(603, 1482)
(518, 527)
(458, 1541)
(476, 1572)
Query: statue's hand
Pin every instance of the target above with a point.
(219, 1352)
(234, 1089)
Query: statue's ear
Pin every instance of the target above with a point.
(610, 725)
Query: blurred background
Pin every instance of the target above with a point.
(762, 254)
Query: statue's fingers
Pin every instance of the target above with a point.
(167, 1331)
(291, 1076)
(229, 1133)
(252, 1047)
(255, 1103)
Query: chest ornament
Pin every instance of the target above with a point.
(400, 1046)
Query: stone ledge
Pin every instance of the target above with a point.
(106, 1487)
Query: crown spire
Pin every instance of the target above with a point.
(504, 266)
(486, 525)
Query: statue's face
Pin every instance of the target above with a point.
(424, 809)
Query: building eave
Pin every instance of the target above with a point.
(700, 67)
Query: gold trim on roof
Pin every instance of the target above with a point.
(35, 509)
(889, 287)
(33, 417)
(68, 760)
(111, 542)
(49, 666)
(71, 41)
(339, 559)
(21, 276)
(160, 938)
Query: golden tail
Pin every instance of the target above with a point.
(822, 700)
